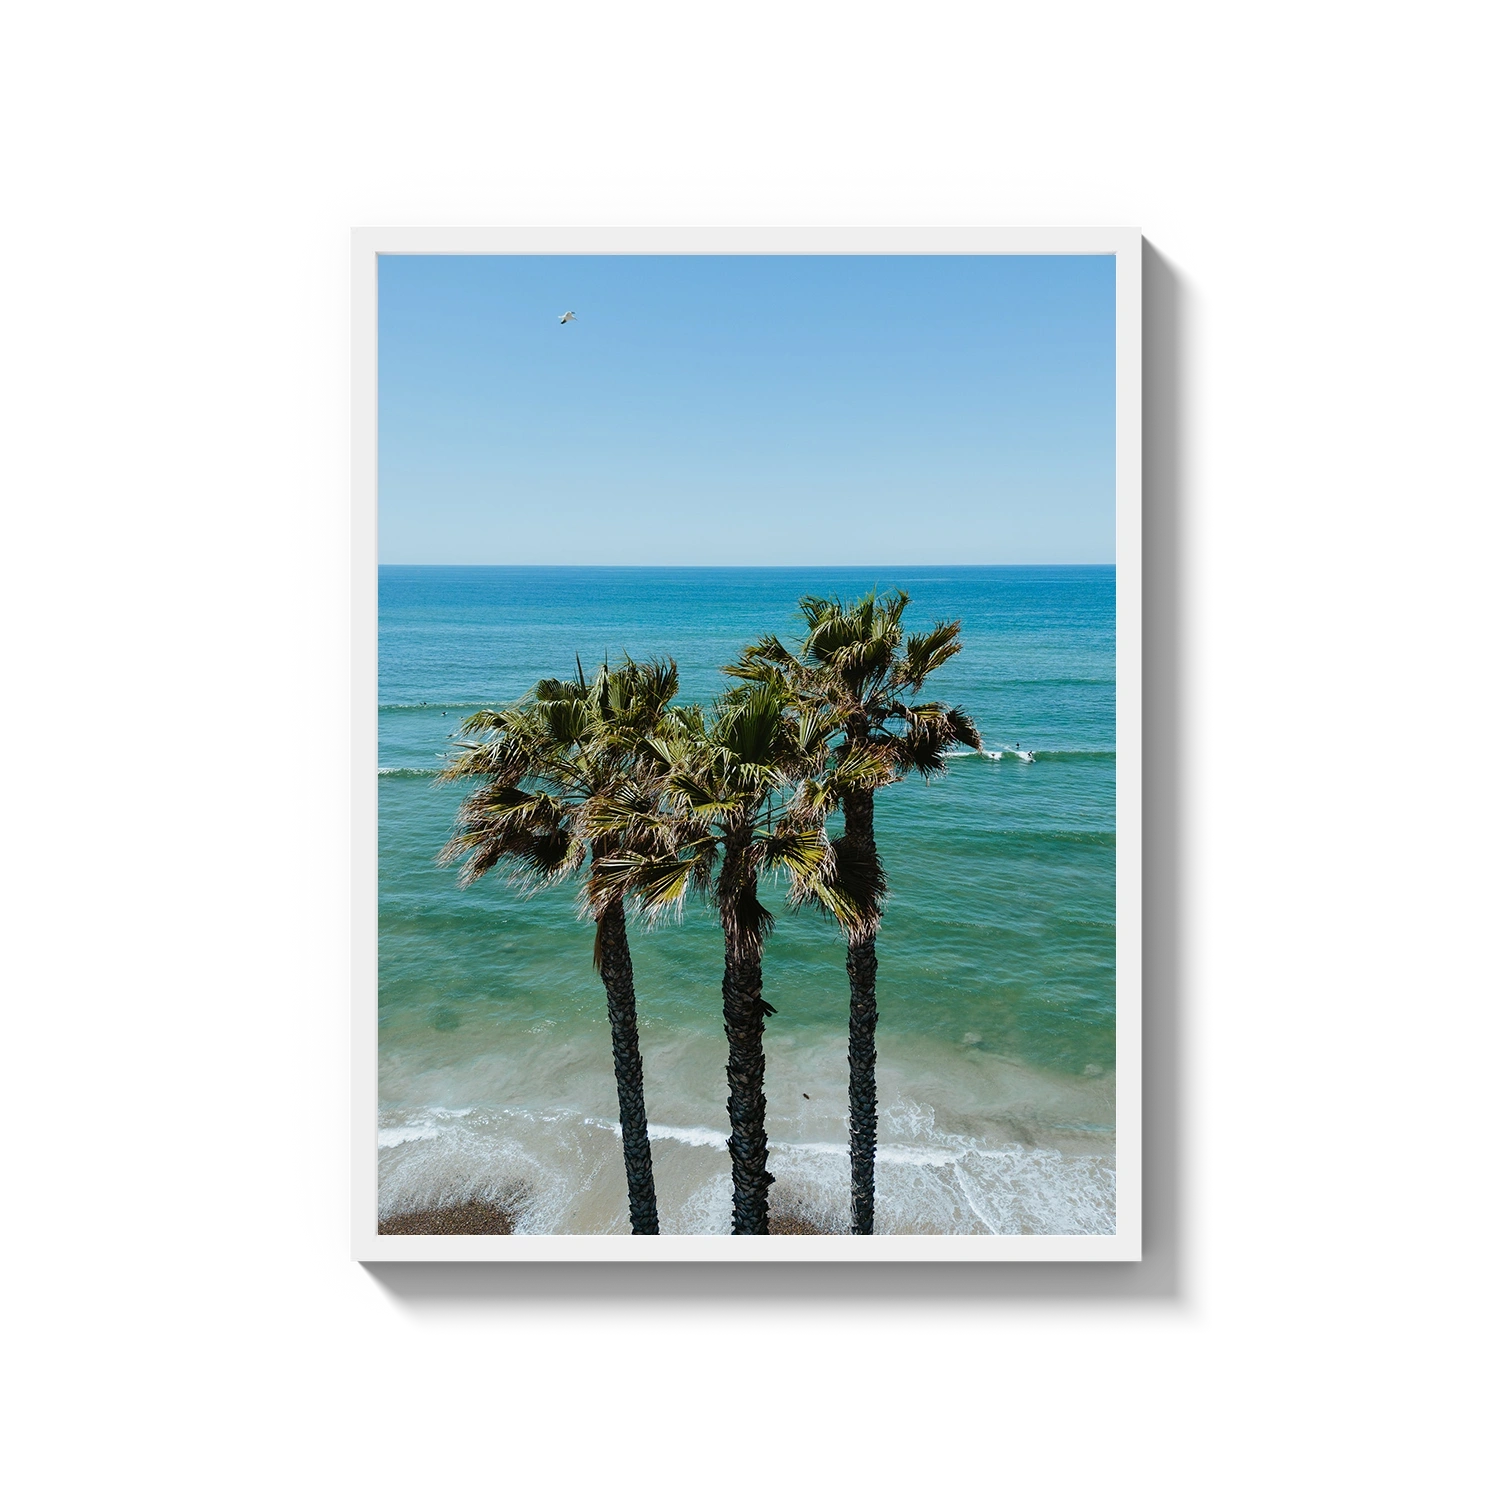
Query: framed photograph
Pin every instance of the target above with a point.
(747, 745)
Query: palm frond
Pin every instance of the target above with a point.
(701, 795)
(926, 653)
(949, 722)
(815, 800)
(657, 886)
(801, 853)
(814, 729)
(921, 751)
(486, 721)
(893, 607)
(743, 915)
(850, 887)
(566, 771)
(833, 626)
(534, 858)
(755, 673)
(863, 767)
(767, 661)
(962, 730)
(499, 802)
(636, 820)
(932, 729)
(567, 721)
(751, 727)
(683, 721)
(654, 685)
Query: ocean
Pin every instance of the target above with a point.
(996, 979)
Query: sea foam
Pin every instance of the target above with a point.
(558, 1172)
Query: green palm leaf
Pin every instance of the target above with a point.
(926, 653)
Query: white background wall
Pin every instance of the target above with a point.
(158, 164)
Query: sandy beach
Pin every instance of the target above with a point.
(475, 1216)
(470, 1217)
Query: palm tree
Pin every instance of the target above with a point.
(734, 792)
(857, 666)
(543, 760)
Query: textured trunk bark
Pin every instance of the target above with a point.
(859, 829)
(745, 1026)
(619, 988)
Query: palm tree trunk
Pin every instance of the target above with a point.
(745, 1026)
(613, 953)
(859, 829)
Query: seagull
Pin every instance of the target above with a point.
(568, 317)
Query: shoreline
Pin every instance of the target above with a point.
(459, 1181)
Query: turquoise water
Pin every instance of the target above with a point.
(996, 980)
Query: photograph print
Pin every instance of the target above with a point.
(747, 767)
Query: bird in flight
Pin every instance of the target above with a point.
(568, 317)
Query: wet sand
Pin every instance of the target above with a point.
(477, 1217)
(471, 1217)
(794, 1221)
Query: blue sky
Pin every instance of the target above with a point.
(758, 410)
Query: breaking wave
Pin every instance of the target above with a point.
(1006, 753)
